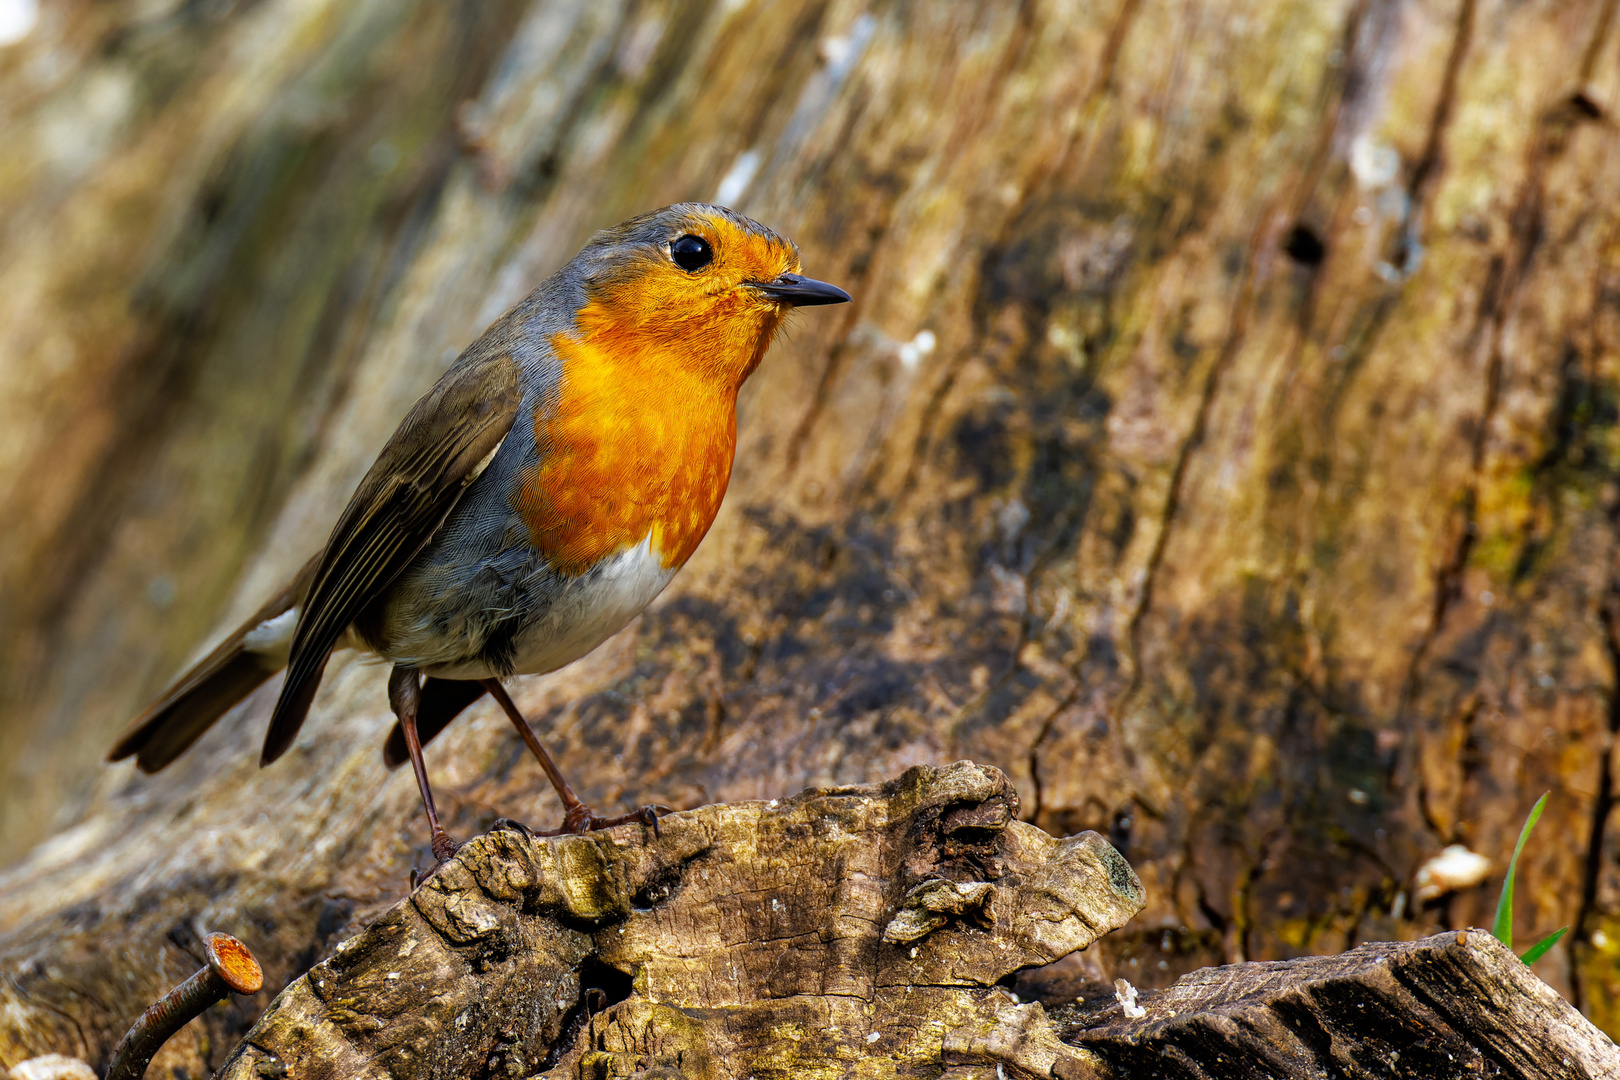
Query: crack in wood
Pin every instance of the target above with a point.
(1237, 327)
(1604, 802)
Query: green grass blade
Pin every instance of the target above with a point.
(1539, 949)
(1502, 928)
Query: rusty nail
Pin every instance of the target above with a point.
(231, 970)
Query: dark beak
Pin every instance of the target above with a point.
(802, 291)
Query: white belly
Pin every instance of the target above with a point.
(585, 612)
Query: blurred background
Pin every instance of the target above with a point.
(1222, 442)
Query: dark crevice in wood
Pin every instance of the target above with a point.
(1038, 804)
(1602, 804)
(1335, 86)
(1424, 178)
(1304, 245)
(1244, 908)
(1465, 717)
(1237, 327)
(601, 986)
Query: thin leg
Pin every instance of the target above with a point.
(404, 696)
(565, 791)
(577, 817)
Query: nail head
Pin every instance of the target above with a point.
(234, 963)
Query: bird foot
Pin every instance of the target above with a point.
(582, 819)
(507, 824)
(443, 848)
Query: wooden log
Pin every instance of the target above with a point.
(1451, 1005)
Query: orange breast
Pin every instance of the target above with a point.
(636, 443)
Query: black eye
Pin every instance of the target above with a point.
(691, 253)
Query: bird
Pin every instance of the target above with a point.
(530, 504)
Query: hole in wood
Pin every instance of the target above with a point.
(1304, 246)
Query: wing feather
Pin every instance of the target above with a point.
(413, 486)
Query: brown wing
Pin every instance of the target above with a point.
(440, 448)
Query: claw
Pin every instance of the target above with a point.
(443, 848)
(507, 824)
(649, 815)
(580, 819)
(420, 877)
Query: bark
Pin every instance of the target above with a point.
(1222, 442)
(1455, 1004)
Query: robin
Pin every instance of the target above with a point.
(529, 505)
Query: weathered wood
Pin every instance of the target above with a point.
(1449, 1006)
(748, 939)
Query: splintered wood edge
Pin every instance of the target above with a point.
(1459, 997)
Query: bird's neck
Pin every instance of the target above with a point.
(636, 445)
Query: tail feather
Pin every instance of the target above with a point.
(442, 701)
(205, 692)
(168, 728)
